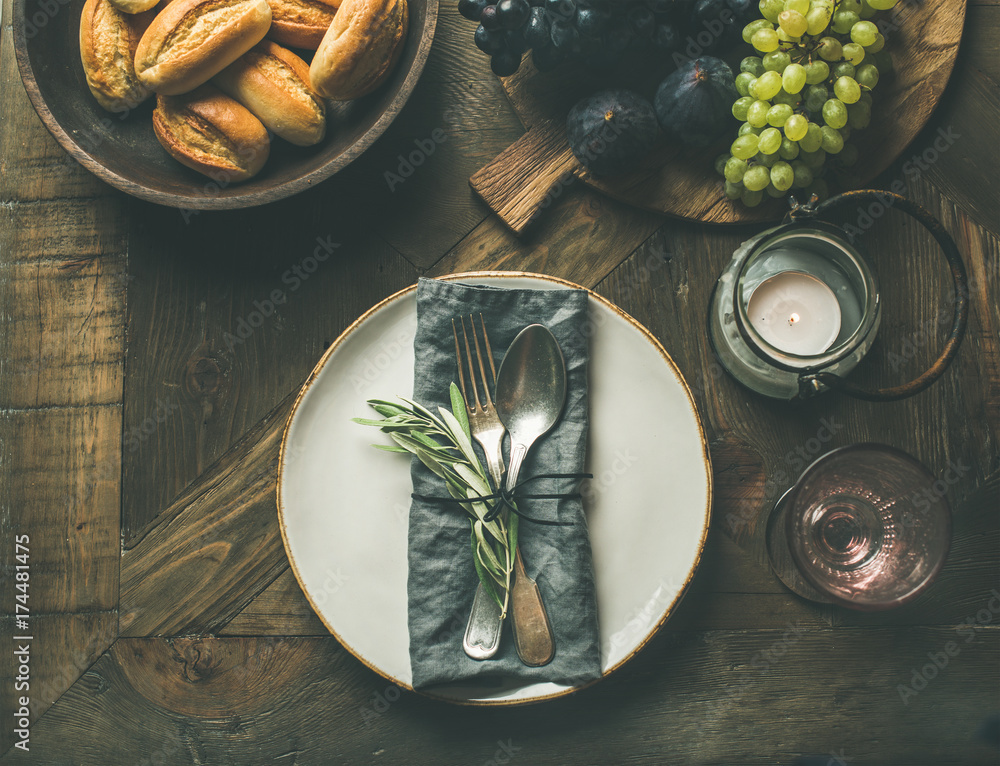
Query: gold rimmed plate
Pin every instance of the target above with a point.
(343, 506)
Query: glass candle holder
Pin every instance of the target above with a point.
(864, 527)
(798, 306)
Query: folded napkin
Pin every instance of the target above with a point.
(442, 577)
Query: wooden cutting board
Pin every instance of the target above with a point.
(529, 177)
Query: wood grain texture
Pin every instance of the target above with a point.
(680, 181)
(61, 377)
(211, 701)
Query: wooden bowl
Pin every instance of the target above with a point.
(122, 149)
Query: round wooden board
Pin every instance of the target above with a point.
(923, 38)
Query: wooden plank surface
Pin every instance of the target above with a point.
(62, 320)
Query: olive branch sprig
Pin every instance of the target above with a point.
(443, 443)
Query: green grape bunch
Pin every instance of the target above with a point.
(803, 94)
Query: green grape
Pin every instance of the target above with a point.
(782, 176)
(767, 85)
(802, 6)
(793, 79)
(757, 178)
(876, 46)
(843, 21)
(854, 53)
(765, 40)
(789, 40)
(854, 6)
(751, 198)
(845, 132)
(767, 160)
(847, 90)
(733, 191)
(784, 97)
(813, 160)
(883, 61)
(720, 164)
(816, 96)
(843, 69)
(803, 175)
(848, 155)
(770, 9)
(773, 191)
(866, 97)
(776, 61)
(796, 127)
(793, 22)
(833, 142)
(835, 113)
(859, 115)
(757, 113)
(817, 72)
(864, 33)
(744, 147)
(770, 141)
(740, 107)
(867, 11)
(743, 80)
(746, 127)
(753, 26)
(778, 115)
(812, 139)
(734, 169)
(867, 76)
(829, 49)
(818, 16)
(789, 149)
(752, 64)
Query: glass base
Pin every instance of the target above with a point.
(781, 559)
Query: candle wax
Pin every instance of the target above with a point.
(796, 313)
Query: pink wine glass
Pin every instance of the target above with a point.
(866, 526)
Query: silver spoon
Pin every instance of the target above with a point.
(531, 393)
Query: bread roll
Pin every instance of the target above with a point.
(301, 23)
(191, 41)
(211, 133)
(134, 6)
(108, 40)
(360, 48)
(273, 83)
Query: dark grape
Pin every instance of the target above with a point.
(642, 21)
(564, 36)
(546, 59)
(489, 19)
(472, 9)
(537, 30)
(590, 22)
(514, 41)
(513, 13)
(489, 42)
(564, 10)
(505, 63)
(666, 38)
(619, 36)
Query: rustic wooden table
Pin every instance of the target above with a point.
(140, 421)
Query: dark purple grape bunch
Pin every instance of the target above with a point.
(597, 32)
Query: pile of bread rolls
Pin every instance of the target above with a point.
(222, 81)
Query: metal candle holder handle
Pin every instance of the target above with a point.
(801, 251)
(961, 297)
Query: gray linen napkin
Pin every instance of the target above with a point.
(442, 578)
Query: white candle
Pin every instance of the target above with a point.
(796, 313)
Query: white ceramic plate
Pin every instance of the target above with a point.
(343, 506)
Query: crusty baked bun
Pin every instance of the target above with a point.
(360, 48)
(134, 6)
(273, 83)
(191, 41)
(301, 23)
(211, 133)
(108, 40)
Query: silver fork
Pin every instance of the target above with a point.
(482, 634)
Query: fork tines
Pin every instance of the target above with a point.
(475, 404)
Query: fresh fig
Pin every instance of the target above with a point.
(611, 131)
(694, 103)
